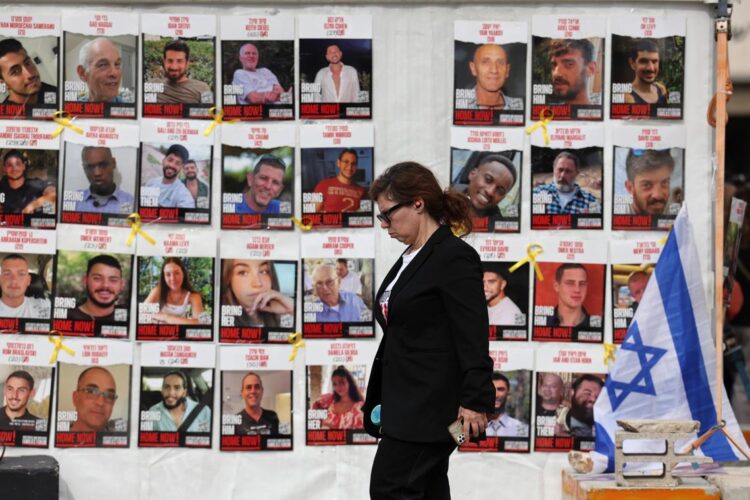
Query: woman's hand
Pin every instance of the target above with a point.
(273, 301)
(474, 422)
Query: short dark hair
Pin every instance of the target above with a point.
(643, 45)
(23, 375)
(10, 46)
(587, 377)
(504, 160)
(500, 376)
(177, 45)
(190, 160)
(178, 150)
(271, 161)
(350, 151)
(14, 256)
(568, 265)
(570, 156)
(342, 261)
(105, 259)
(640, 161)
(14, 153)
(561, 47)
(495, 268)
(177, 373)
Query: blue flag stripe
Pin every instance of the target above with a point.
(681, 320)
(604, 445)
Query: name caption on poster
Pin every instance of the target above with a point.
(342, 352)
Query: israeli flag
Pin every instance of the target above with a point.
(666, 366)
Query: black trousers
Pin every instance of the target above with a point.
(410, 471)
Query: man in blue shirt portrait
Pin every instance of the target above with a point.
(264, 185)
(102, 195)
(337, 306)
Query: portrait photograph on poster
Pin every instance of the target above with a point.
(567, 188)
(508, 426)
(569, 303)
(258, 300)
(175, 182)
(492, 182)
(648, 187)
(338, 297)
(628, 284)
(565, 410)
(648, 67)
(335, 395)
(99, 184)
(256, 410)
(335, 78)
(258, 79)
(489, 83)
(92, 293)
(507, 296)
(39, 99)
(175, 407)
(27, 404)
(257, 187)
(335, 184)
(179, 76)
(100, 74)
(26, 284)
(93, 406)
(28, 187)
(567, 79)
(175, 298)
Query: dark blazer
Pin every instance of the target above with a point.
(434, 353)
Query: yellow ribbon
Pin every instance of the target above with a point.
(301, 224)
(544, 120)
(609, 353)
(458, 231)
(218, 120)
(135, 224)
(63, 123)
(296, 340)
(56, 338)
(532, 252)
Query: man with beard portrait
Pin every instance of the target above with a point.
(499, 423)
(103, 284)
(172, 192)
(567, 196)
(578, 420)
(572, 64)
(177, 411)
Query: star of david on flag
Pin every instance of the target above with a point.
(665, 369)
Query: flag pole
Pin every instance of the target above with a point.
(722, 25)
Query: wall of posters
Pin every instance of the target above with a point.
(418, 68)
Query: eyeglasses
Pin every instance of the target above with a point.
(93, 392)
(386, 215)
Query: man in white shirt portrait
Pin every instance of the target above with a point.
(500, 423)
(500, 308)
(259, 85)
(15, 280)
(337, 81)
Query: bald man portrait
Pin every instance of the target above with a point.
(100, 67)
(491, 68)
